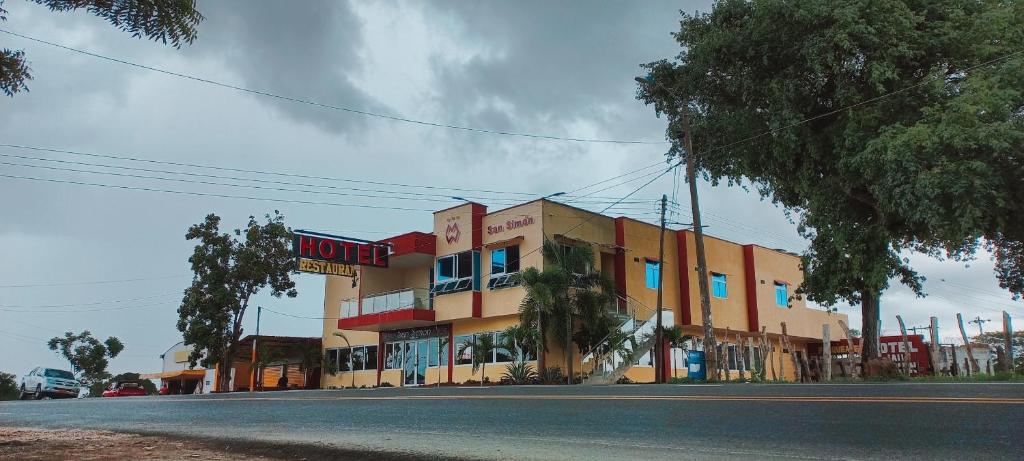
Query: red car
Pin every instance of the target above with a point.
(125, 389)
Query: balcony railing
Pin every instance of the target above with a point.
(406, 298)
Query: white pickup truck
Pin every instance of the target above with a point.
(49, 382)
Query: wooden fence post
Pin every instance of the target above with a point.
(1007, 342)
(826, 353)
(906, 345)
(849, 348)
(741, 364)
(972, 362)
(933, 330)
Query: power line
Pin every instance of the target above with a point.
(75, 311)
(330, 106)
(94, 282)
(264, 172)
(96, 303)
(205, 194)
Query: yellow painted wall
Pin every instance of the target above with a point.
(801, 321)
(566, 220)
(641, 242)
(505, 301)
(463, 218)
(726, 258)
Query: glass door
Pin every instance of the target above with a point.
(409, 368)
(422, 358)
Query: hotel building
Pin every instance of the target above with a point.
(400, 323)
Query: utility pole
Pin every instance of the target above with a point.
(252, 363)
(698, 236)
(710, 347)
(659, 333)
(980, 321)
(1007, 342)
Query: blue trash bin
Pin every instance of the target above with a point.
(696, 369)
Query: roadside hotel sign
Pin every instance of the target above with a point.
(333, 255)
(892, 347)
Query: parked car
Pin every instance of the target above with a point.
(127, 388)
(44, 382)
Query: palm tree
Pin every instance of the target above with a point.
(481, 347)
(674, 336)
(341, 335)
(568, 289)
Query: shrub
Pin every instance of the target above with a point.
(520, 373)
(8, 386)
(552, 375)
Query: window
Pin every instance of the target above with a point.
(332, 358)
(344, 359)
(653, 274)
(505, 260)
(371, 357)
(454, 273)
(358, 358)
(500, 353)
(445, 268)
(393, 356)
(466, 357)
(718, 286)
(464, 265)
(781, 295)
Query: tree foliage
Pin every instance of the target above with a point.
(228, 271)
(881, 126)
(8, 386)
(87, 355)
(166, 21)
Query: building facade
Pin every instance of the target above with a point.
(401, 323)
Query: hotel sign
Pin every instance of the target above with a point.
(332, 255)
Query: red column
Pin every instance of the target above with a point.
(684, 279)
(666, 361)
(751, 287)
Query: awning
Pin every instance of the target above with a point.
(175, 374)
(505, 243)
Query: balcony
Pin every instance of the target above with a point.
(405, 308)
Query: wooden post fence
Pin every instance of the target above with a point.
(1007, 342)
(826, 353)
(933, 348)
(972, 362)
(906, 345)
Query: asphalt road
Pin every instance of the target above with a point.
(853, 421)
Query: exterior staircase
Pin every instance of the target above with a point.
(622, 349)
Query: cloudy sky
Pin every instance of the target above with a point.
(105, 256)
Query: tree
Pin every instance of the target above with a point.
(520, 341)
(997, 339)
(167, 21)
(228, 272)
(481, 349)
(881, 126)
(8, 387)
(87, 355)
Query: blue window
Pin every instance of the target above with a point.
(653, 274)
(781, 295)
(718, 286)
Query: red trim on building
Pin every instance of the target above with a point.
(477, 212)
(751, 287)
(620, 260)
(451, 353)
(380, 358)
(412, 242)
(666, 361)
(478, 301)
(685, 314)
(403, 315)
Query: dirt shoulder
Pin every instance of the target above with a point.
(23, 443)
